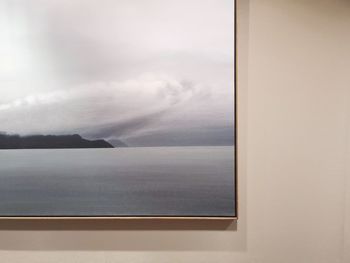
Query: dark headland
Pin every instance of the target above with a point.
(50, 142)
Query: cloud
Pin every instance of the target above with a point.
(34, 100)
(78, 66)
(124, 127)
(101, 109)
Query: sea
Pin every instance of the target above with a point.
(159, 181)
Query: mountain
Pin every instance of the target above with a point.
(49, 142)
(118, 143)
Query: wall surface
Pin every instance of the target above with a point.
(294, 62)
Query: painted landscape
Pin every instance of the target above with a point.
(117, 108)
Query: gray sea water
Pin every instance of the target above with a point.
(164, 181)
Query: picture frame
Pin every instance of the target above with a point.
(179, 216)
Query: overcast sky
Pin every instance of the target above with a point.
(148, 72)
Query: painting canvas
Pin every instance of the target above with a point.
(117, 108)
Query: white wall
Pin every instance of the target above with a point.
(294, 72)
(298, 130)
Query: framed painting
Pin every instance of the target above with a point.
(117, 109)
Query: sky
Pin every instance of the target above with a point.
(149, 73)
